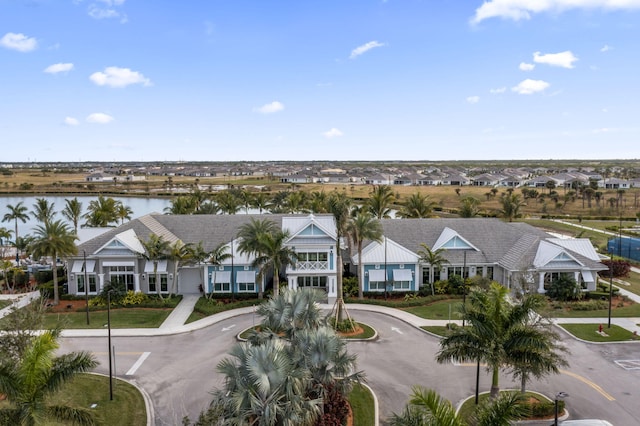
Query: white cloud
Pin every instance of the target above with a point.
(364, 48)
(498, 90)
(56, 68)
(473, 99)
(118, 77)
(605, 48)
(526, 67)
(528, 86)
(563, 59)
(333, 133)
(523, 9)
(99, 118)
(106, 9)
(274, 106)
(70, 121)
(19, 42)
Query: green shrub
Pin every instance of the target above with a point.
(564, 288)
(544, 409)
(589, 305)
(343, 326)
(441, 287)
(350, 287)
(133, 298)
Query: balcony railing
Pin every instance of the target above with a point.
(312, 266)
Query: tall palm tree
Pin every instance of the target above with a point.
(228, 202)
(38, 374)
(16, 213)
(101, 212)
(246, 199)
(249, 232)
(381, 199)
(5, 265)
(215, 257)
(416, 206)
(72, 212)
(296, 202)
(260, 201)
(318, 202)
(273, 255)
(182, 204)
(179, 254)
(5, 237)
(511, 204)
(426, 407)
(123, 212)
(43, 210)
(340, 206)
(361, 228)
(435, 259)
(156, 249)
(469, 207)
(496, 329)
(53, 239)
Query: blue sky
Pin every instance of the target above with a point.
(142, 80)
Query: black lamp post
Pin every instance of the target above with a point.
(477, 379)
(464, 284)
(109, 342)
(559, 395)
(610, 288)
(86, 284)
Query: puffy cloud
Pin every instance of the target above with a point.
(119, 77)
(563, 59)
(473, 99)
(528, 86)
(605, 48)
(274, 106)
(365, 48)
(99, 118)
(526, 67)
(70, 121)
(333, 133)
(523, 9)
(106, 9)
(498, 90)
(19, 42)
(56, 68)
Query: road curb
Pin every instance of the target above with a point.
(148, 403)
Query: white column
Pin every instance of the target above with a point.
(292, 283)
(541, 283)
(100, 282)
(136, 283)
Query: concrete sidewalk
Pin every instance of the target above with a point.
(181, 313)
(18, 301)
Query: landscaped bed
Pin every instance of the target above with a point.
(592, 332)
(541, 407)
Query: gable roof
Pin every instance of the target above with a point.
(451, 240)
(127, 239)
(387, 251)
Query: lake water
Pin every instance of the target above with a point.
(140, 207)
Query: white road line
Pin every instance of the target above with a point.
(138, 363)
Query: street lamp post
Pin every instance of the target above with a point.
(86, 284)
(610, 288)
(559, 396)
(477, 379)
(109, 342)
(464, 284)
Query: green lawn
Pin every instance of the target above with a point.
(361, 401)
(206, 307)
(440, 330)
(627, 311)
(589, 332)
(120, 318)
(4, 303)
(127, 407)
(634, 283)
(438, 310)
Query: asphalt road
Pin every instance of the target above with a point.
(179, 371)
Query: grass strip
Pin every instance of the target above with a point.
(589, 332)
(120, 318)
(362, 406)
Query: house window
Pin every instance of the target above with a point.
(164, 288)
(248, 287)
(436, 274)
(122, 274)
(222, 287)
(489, 272)
(313, 282)
(401, 285)
(312, 256)
(376, 286)
(92, 283)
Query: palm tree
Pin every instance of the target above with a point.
(361, 228)
(216, 256)
(340, 206)
(156, 249)
(260, 201)
(72, 212)
(53, 239)
(179, 254)
(469, 207)
(273, 255)
(417, 206)
(318, 202)
(101, 212)
(17, 212)
(249, 232)
(426, 407)
(38, 374)
(182, 204)
(381, 199)
(246, 200)
(5, 265)
(500, 334)
(296, 202)
(511, 204)
(123, 212)
(228, 202)
(435, 259)
(43, 211)
(5, 237)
